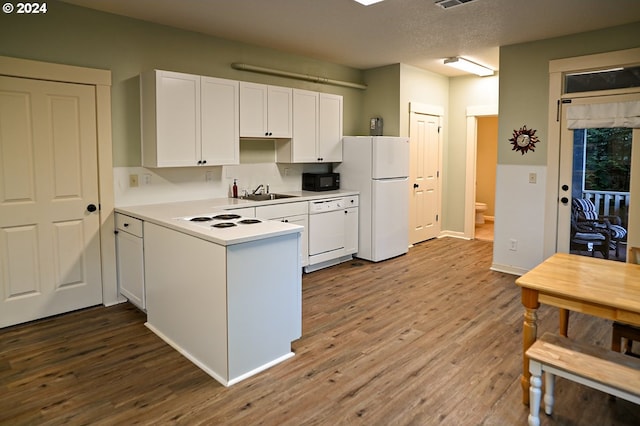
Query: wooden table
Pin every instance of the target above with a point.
(593, 286)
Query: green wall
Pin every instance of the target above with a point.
(73, 35)
(382, 99)
(524, 83)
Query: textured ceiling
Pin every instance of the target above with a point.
(414, 32)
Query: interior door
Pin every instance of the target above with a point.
(424, 178)
(571, 166)
(49, 223)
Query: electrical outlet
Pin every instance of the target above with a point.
(209, 176)
(287, 171)
(513, 245)
(133, 180)
(533, 177)
(146, 179)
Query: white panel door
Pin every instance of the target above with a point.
(424, 178)
(49, 240)
(390, 157)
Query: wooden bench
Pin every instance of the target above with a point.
(598, 368)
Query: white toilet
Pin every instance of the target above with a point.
(480, 209)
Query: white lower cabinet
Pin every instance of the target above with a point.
(351, 228)
(231, 310)
(296, 213)
(130, 259)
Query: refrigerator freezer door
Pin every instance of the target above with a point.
(390, 157)
(390, 218)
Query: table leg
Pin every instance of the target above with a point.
(564, 322)
(529, 333)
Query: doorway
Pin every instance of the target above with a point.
(486, 165)
(100, 82)
(474, 114)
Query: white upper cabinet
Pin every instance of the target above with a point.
(265, 111)
(330, 128)
(220, 105)
(188, 120)
(317, 129)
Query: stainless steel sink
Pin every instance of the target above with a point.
(266, 197)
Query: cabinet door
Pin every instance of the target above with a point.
(305, 127)
(177, 119)
(279, 111)
(220, 121)
(130, 262)
(330, 128)
(253, 110)
(351, 230)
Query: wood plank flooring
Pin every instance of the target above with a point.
(429, 338)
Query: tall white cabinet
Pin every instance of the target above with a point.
(265, 111)
(317, 129)
(188, 120)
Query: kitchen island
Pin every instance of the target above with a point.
(228, 299)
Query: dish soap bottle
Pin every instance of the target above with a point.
(234, 189)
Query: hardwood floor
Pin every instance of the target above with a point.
(432, 337)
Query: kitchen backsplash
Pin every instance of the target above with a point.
(197, 183)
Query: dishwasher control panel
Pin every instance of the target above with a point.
(326, 205)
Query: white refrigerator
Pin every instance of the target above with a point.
(378, 167)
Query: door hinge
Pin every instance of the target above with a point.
(439, 127)
(437, 216)
(438, 174)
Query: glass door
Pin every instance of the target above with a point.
(596, 162)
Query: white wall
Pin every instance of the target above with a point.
(191, 183)
(521, 206)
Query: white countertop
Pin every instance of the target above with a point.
(170, 214)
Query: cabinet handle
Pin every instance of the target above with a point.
(91, 208)
(204, 161)
(199, 162)
(126, 225)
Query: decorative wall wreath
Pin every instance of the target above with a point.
(524, 140)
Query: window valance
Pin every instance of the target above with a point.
(606, 115)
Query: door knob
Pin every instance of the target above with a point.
(415, 185)
(565, 187)
(91, 208)
(564, 200)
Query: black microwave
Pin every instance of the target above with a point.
(320, 181)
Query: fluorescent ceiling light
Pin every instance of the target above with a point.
(468, 66)
(368, 2)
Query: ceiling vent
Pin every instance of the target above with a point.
(446, 4)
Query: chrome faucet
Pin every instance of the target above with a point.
(255, 191)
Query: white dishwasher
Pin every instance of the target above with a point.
(326, 229)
